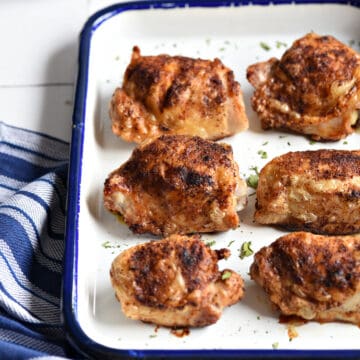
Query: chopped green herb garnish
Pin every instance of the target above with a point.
(210, 243)
(255, 168)
(312, 142)
(282, 136)
(345, 142)
(352, 42)
(152, 336)
(222, 49)
(279, 44)
(289, 143)
(230, 243)
(258, 317)
(265, 46)
(275, 345)
(253, 181)
(245, 250)
(265, 143)
(263, 154)
(106, 245)
(225, 275)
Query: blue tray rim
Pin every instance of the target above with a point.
(75, 334)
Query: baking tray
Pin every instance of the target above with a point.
(239, 33)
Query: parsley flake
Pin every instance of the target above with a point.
(230, 243)
(263, 154)
(312, 142)
(245, 250)
(265, 46)
(279, 44)
(275, 345)
(226, 275)
(210, 243)
(106, 245)
(253, 180)
(345, 142)
(265, 143)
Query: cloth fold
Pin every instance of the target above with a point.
(33, 173)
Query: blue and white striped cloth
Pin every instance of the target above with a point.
(33, 171)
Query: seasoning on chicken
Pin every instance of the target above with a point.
(177, 184)
(317, 191)
(314, 89)
(174, 282)
(315, 277)
(177, 95)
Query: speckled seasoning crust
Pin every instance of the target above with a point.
(314, 89)
(174, 282)
(317, 191)
(177, 95)
(177, 184)
(315, 277)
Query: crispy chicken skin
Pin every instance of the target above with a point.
(177, 95)
(313, 89)
(315, 277)
(177, 184)
(317, 191)
(174, 282)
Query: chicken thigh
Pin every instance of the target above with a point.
(318, 191)
(174, 282)
(314, 277)
(314, 89)
(177, 184)
(177, 95)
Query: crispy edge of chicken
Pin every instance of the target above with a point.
(174, 282)
(314, 89)
(177, 184)
(315, 277)
(317, 191)
(177, 95)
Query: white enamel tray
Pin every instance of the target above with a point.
(234, 33)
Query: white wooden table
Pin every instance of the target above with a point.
(38, 64)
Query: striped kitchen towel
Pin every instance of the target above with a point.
(33, 171)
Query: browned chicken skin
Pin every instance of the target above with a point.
(177, 95)
(318, 191)
(314, 89)
(315, 277)
(177, 184)
(174, 282)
